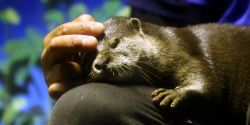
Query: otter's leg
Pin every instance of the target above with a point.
(107, 104)
(198, 94)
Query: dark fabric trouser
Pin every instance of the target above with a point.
(248, 116)
(107, 104)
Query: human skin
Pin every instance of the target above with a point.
(60, 57)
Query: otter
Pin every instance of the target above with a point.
(202, 71)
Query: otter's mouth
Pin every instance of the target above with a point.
(114, 74)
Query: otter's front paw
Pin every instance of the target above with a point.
(167, 97)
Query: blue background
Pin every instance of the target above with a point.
(24, 98)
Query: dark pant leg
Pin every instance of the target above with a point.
(107, 104)
(248, 116)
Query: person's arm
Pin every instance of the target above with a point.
(61, 47)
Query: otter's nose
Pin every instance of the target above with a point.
(102, 63)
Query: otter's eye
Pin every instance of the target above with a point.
(115, 43)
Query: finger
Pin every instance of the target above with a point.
(84, 28)
(70, 44)
(62, 47)
(156, 92)
(83, 18)
(56, 90)
(81, 28)
(73, 43)
(63, 72)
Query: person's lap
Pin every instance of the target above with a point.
(100, 104)
(107, 104)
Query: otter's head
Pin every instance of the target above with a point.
(119, 51)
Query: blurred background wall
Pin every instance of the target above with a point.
(23, 25)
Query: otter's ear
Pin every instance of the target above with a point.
(136, 23)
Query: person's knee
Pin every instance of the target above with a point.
(88, 104)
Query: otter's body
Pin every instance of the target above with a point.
(205, 69)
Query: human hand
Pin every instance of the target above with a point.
(60, 58)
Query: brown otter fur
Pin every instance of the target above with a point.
(204, 68)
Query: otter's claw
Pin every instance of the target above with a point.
(166, 98)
